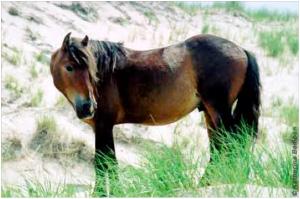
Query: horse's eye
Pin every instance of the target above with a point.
(69, 68)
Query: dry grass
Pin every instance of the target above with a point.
(11, 148)
(52, 142)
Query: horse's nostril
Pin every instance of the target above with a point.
(86, 107)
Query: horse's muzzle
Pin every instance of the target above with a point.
(84, 109)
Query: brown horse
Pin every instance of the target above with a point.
(109, 84)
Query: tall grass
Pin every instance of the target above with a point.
(229, 6)
(272, 42)
(168, 172)
(275, 42)
(12, 84)
(259, 15)
(190, 9)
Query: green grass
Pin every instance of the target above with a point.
(167, 172)
(87, 13)
(10, 148)
(37, 98)
(50, 141)
(33, 71)
(229, 6)
(290, 135)
(42, 58)
(293, 43)
(12, 84)
(46, 135)
(14, 57)
(150, 16)
(35, 188)
(269, 15)
(205, 29)
(190, 9)
(61, 102)
(260, 15)
(289, 113)
(272, 42)
(275, 42)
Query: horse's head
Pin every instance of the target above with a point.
(71, 67)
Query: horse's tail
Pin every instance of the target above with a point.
(248, 103)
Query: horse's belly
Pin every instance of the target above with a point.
(167, 104)
(172, 109)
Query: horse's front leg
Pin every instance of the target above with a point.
(105, 158)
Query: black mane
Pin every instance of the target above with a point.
(108, 55)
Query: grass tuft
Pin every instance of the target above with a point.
(14, 57)
(290, 114)
(10, 148)
(150, 15)
(191, 9)
(51, 142)
(37, 98)
(33, 71)
(229, 6)
(61, 102)
(87, 13)
(12, 84)
(293, 43)
(14, 11)
(42, 58)
(272, 42)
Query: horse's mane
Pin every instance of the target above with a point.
(101, 59)
(108, 55)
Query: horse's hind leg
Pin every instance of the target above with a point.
(215, 119)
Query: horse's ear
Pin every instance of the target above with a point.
(66, 41)
(85, 41)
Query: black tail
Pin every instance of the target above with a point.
(248, 104)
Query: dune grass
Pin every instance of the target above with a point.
(37, 98)
(258, 15)
(10, 148)
(167, 172)
(14, 57)
(50, 141)
(272, 42)
(275, 42)
(13, 85)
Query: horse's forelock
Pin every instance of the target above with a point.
(83, 57)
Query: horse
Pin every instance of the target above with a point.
(108, 84)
